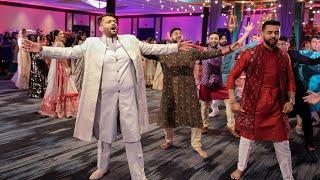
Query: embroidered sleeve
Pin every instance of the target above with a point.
(202, 55)
(291, 86)
(239, 67)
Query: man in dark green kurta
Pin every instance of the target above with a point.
(179, 103)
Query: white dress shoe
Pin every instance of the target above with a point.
(98, 173)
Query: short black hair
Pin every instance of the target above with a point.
(283, 38)
(213, 33)
(223, 34)
(315, 37)
(174, 29)
(270, 22)
(101, 17)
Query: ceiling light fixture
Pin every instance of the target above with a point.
(96, 3)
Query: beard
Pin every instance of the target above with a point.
(176, 41)
(223, 43)
(110, 32)
(271, 44)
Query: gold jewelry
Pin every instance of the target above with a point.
(292, 101)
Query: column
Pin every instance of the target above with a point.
(205, 25)
(111, 6)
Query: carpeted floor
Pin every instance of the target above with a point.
(37, 147)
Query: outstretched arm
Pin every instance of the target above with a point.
(301, 59)
(76, 52)
(163, 49)
(312, 98)
(203, 55)
(248, 30)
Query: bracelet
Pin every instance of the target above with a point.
(292, 101)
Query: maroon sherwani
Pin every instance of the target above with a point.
(269, 77)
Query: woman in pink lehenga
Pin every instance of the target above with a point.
(61, 98)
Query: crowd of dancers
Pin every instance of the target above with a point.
(102, 80)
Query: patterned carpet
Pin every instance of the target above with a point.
(37, 147)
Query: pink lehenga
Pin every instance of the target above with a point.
(61, 98)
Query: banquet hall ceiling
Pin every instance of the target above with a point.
(124, 7)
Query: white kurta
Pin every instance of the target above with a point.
(117, 92)
(93, 50)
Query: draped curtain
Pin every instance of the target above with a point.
(298, 20)
(214, 16)
(286, 16)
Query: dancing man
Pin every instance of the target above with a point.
(113, 84)
(269, 94)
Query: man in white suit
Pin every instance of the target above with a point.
(113, 84)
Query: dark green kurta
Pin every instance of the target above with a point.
(179, 103)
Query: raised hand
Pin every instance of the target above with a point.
(185, 45)
(249, 27)
(30, 46)
(235, 46)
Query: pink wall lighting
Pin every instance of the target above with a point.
(191, 26)
(81, 19)
(146, 22)
(124, 25)
(15, 18)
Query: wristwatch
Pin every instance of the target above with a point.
(292, 101)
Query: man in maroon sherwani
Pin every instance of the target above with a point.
(268, 95)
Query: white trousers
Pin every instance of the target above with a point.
(215, 106)
(134, 156)
(283, 154)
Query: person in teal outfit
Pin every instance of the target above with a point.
(310, 75)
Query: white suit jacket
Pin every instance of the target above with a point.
(93, 51)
